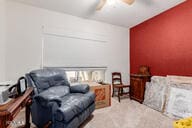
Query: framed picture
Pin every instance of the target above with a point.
(179, 103)
(155, 96)
(21, 85)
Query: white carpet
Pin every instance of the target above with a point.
(127, 114)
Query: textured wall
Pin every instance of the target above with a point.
(25, 38)
(164, 42)
(2, 39)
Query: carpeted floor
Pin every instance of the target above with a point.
(127, 114)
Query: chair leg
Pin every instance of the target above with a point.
(113, 92)
(121, 90)
(119, 93)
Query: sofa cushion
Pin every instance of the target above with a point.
(73, 104)
(45, 78)
(79, 88)
(52, 93)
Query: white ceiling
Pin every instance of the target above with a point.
(118, 14)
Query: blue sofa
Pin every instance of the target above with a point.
(56, 101)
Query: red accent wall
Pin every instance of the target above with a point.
(164, 43)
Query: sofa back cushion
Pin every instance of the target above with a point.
(52, 94)
(45, 78)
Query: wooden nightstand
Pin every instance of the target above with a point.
(9, 111)
(137, 86)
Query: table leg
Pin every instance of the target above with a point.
(27, 114)
(3, 122)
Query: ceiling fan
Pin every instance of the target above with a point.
(103, 2)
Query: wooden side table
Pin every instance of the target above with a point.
(9, 111)
(137, 86)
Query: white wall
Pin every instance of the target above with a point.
(25, 34)
(2, 40)
(73, 48)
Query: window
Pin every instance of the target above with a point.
(72, 76)
(86, 76)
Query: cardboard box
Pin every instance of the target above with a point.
(103, 94)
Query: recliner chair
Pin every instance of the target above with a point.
(56, 101)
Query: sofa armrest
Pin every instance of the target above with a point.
(80, 88)
(46, 100)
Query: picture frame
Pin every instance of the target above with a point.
(178, 104)
(21, 85)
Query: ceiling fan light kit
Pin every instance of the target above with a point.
(103, 2)
(129, 1)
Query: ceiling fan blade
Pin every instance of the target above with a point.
(101, 4)
(128, 1)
